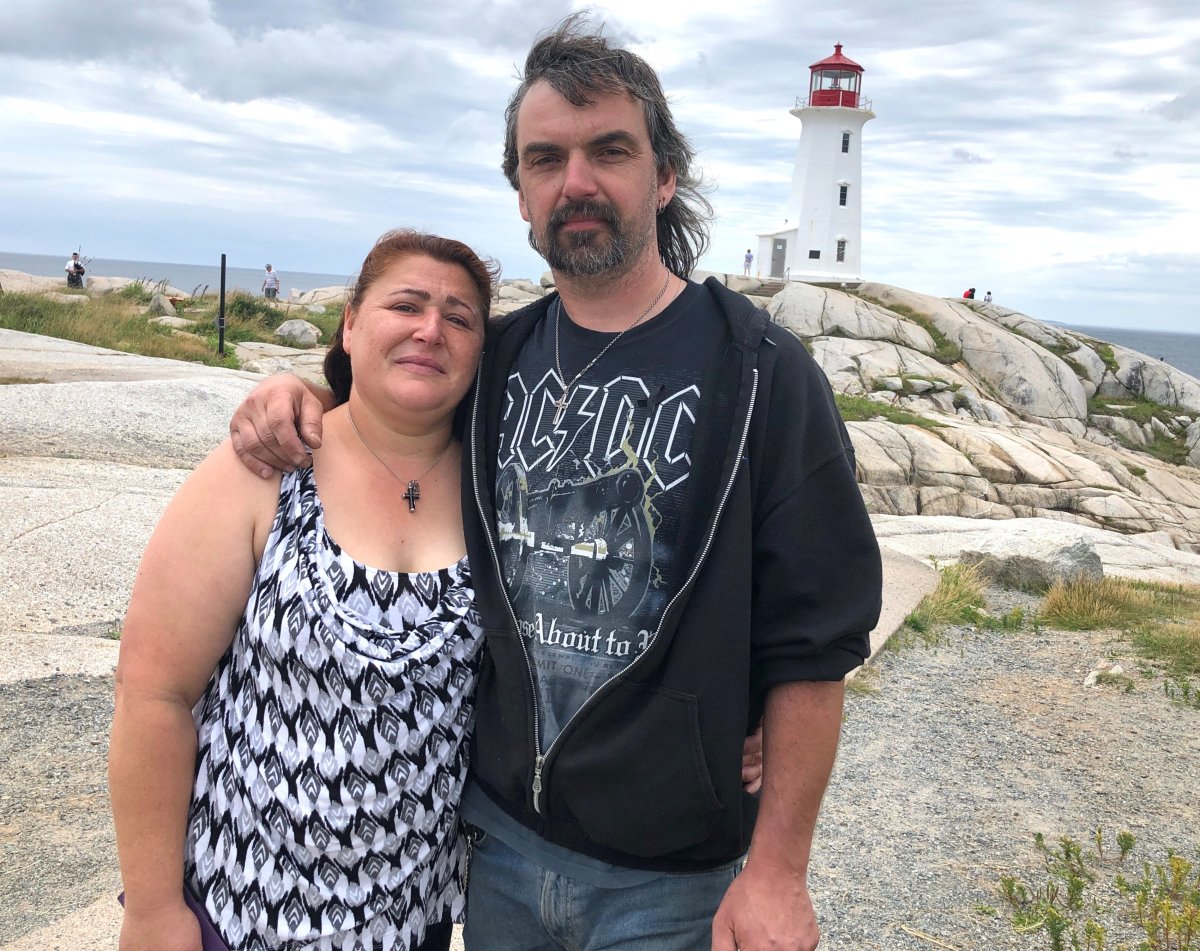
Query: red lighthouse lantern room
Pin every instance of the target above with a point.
(835, 81)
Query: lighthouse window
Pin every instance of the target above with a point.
(841, 250)
(845, 141)
(814, 255)
(843, 191)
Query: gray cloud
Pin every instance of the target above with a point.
(968, 157)
(211, 126)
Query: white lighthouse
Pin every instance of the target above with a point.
(820, 241)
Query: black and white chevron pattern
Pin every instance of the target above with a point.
(332, 748)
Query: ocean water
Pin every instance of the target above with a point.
(1178, 349)
(187, 277)
(1182, 351)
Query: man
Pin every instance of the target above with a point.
(270, 284)
(667, 544)
(75, 271)
(746, 262)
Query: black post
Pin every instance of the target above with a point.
(221, 312)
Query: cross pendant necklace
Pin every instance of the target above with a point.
(560, 407)
(412, 489)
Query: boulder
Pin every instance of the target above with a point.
(501, 307)
(810, 311)
(743, 285)
(536, 290)
(161, 306)
(1025, 377)
(1125, 429)
(1140, 375)
(320, 295)
(298, 333)
(1192, 441)
(512, 292)
(67, 298)
(547, 279)
(175, 323)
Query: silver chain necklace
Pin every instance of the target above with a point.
(412, 490)
(560, 404)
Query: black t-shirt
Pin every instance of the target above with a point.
(589, 509)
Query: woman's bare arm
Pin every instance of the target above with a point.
(191, 589)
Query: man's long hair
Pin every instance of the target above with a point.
(579, 64)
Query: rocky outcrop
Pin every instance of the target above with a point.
(1021, 419)
(1047, 548)
(298, 333)
(320, 296)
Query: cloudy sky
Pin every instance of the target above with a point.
(1049, 152)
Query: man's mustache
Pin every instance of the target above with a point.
(583, 209)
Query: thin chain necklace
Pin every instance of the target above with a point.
(412, 490)
(560, 404)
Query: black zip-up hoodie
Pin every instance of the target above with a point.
(784, 585)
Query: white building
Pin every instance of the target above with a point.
(820, 241)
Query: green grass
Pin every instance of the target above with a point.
(1172, 449)
(945, 350)
(1162, 621)
(1140, 409)
(1105, 353)
(113, 321)
(21, 380)
(860, 409)
(957, 599)
(865, 682)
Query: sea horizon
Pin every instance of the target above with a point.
(190, 278)
(1181, 350)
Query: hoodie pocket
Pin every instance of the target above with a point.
(633, 776)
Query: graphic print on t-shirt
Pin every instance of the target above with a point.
(588, 509)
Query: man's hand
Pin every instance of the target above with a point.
(752, 761)
(274, 423)
(766, 908)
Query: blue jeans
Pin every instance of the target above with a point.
(515, 905)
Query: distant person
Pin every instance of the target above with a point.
(75, 271)
(747, 261)
(969, 294)
(270, 284)
(987, 298)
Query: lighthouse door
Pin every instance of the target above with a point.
(778, 257)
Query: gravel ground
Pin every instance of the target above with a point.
(946, 771)
(56, 841)
(968, 749)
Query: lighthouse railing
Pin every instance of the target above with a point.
(803, 102)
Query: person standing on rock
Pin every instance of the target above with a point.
(747, 261)
(75, 271)
(270, 284)
(297, 665)
(667, 542)
(987, 298)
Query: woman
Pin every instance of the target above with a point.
(320, 626)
